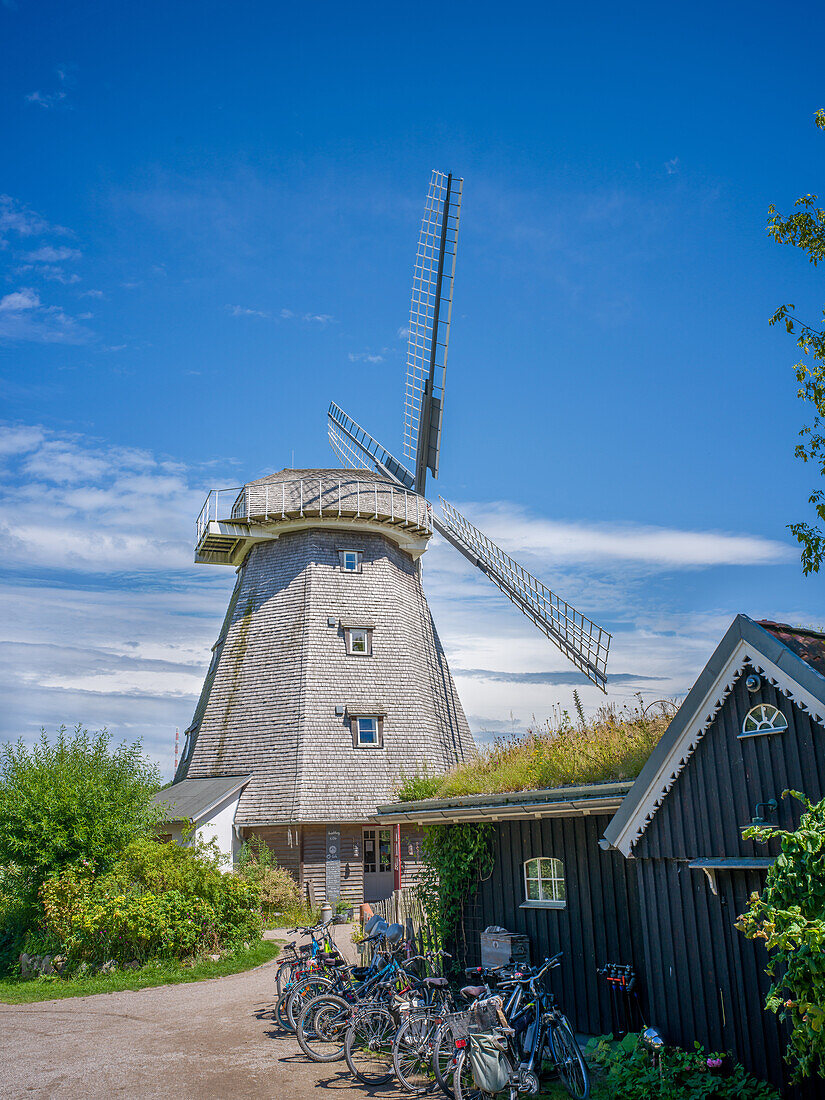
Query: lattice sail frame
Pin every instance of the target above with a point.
(356, 447)
(584, 643)
(430, 311)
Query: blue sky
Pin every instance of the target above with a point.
(209, 220)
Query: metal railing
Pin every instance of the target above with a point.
(325, 497)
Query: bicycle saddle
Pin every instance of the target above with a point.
(436, 983)
(473, 990)
(329, 956)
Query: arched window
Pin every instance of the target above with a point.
(544, 883)
(763, 718)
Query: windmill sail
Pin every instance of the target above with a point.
(580, 640)
(357, 449)
(430, 309)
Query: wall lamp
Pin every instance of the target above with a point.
(762, 809)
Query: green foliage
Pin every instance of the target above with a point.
(630, 1073)
(805, 229)
(158, 901)
(75, 798)
(279, 890)
(455, 859)
(613, 745)
(789, 917)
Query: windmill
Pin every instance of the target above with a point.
(581, 641)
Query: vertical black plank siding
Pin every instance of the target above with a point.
(705, 980)
(600, 922)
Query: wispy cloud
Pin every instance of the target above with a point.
(48, 254)
(364, 357)
(281, 315)
(17, 218)
(672, 166)
(656, 547)
(24, 318)
(58, 97)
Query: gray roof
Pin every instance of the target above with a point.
(765, 642)
(544, 802)
(344, 474)
(192, 799)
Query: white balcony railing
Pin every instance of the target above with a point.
(270, 502)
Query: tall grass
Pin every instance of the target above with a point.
(611, 746)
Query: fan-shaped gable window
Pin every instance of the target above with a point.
(763, 718)
(544, 883)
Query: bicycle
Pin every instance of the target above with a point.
(539, 1032)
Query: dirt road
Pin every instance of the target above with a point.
(204, 1041)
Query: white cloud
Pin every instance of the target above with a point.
(19, 219)
(364, 357)
(24, 318)
(672, 166)
(51, 255)
(57, 98)
(519, 533)
(243, 311)
(19, 299)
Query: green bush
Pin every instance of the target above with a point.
(280, 893)
(631, 1073)
(75, 799)
(157, 901)
(790, 918)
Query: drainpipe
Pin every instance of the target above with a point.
(397, 884)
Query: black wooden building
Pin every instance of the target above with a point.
(752, 726)
(586, 901)
(656, 872)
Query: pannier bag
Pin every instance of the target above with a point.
(489, 1066)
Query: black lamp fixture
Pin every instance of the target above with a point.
(762, 809)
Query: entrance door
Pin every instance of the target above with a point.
(378, 876)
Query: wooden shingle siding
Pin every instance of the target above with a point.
(276, 839)
(283, 670)
(599, 924)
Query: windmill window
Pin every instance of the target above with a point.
(350, 560)
(359, 640)
(367, 732)
(544, 884)
(763, 718)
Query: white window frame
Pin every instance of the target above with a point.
(765, 722)
(348, 553)
(552, 897)
(350, 633)
(376, 731)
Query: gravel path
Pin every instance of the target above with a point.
(210, 1040)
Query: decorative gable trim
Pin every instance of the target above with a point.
(744, 657)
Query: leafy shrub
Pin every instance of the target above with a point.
(279, 891)
(76, 798)
(613, 746)
(158, 901)
(455, 859)
(631, 1073)
(790, 918)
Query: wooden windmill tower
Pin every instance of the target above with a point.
(328, 679)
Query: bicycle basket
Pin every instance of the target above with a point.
(488, 1063)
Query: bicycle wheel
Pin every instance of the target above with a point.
(569, 1060)
(464, 1086)
(283, 975)
(301, 994)
(280, 1009)
(444, 1058)
(321, 1028)
(368, 1046)
(412, 1054)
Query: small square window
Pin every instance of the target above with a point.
(359, 640)
(367, 731)
(350, 560)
